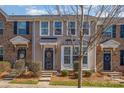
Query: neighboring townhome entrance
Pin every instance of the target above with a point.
(107, 61)
(48, 58)
(21, 53)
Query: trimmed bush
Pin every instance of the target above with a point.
(35, 67)
(64, 73)
(20, 66)
(87, 73)
(5, 66)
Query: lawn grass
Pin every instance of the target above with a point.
(24, 81)
(87, 84)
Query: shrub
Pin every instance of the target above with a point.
(20, 66)
(5, 66)
(64, 73)
(35, 67)
(87, 73)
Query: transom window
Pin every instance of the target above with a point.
(44, 28)
(57, 28)
(21, 28)
(1, 27)
(71, 28)
(86, 28)
(1, 53)
(121, 57)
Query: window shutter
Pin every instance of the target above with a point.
(15, 27)
(122, 31)
(114, 31)
(27, 27)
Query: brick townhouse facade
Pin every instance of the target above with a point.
(49, 39)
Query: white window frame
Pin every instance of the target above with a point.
(48, 28)
(75, 27)
(18, 28)
(71, 55)
(107, 28)
(54, 28)
(89, 28)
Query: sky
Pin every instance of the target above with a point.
(25, 9)
(43, 10)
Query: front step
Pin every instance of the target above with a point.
(46, 75)
(45, 79)
(114, 75)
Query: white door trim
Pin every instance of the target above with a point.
(44, 57)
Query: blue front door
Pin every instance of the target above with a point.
(107, 61)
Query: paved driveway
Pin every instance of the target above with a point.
(5, 84)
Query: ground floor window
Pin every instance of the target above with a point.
(71, 54)
(1, 53)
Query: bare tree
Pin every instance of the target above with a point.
(106, 14)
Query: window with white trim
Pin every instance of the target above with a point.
(21, 28)
(1, 53)
(1, 27)
(86, 28)
(44, 28)
(71, 28)
(67, 55)
(57, 28)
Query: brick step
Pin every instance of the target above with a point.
(44, 79)
(48, 71)
(46, 75)
(8, 78)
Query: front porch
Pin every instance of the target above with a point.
(107, 54)
(21, 48)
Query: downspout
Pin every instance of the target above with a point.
(33, 48)
(95, 51)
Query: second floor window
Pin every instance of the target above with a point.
(71, 28)
(21, 28)
(110, 32)
(58, 28)
(1, 27)
(44, 28)
(86, 28)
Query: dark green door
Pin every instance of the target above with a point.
(48, 58)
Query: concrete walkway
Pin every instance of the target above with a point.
(5, 84)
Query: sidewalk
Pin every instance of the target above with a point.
(5, 84)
